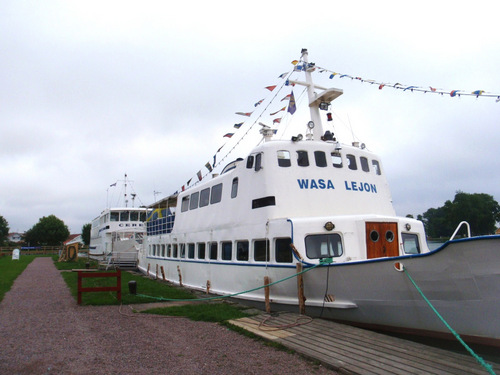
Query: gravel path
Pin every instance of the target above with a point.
(44, 331)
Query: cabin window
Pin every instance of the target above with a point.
(227, 250)
(323, 246)
(364, 164)
(336, 160)
(258, 162)
(263, 202)
(216, 195)
(302, 159)
(193, 201)
(134, 216)
(213, 250)
(154, 250)
(284, 158)
(234, 188)
(191, 250)
(410, 243)
(169, 251)
(320, 158)
(185, 203)
(174, 252)
(182, 250)
(163, 251)
(261, 250)
(376, 167)
(115, 216)
(150, 250)
(250, 160)
(283, 250)
(201, 250)
(351, 162)
(124, 216)
(242, 250)
(204, 197)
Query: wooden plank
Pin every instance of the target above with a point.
(266, 292)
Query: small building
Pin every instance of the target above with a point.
(15, 237)
(73, 238)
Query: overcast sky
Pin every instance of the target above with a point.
(91, 90)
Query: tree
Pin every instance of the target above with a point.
(481, 211)
(49, 231)
(4, 230)
(86, 234)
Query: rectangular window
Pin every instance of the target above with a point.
(320, 158)
(376, 167)
(283, 250)
(258, 162)
(364, 164)
(124, 216)
(261, 250)
(263, 202)
(182, 250)
(242, 250)
(302, 159)
(174, 252)
(115, 216)
(216, 194)
(195, 197)
(323, 246)
(227, 251)
(201, 250)
(250, 161)
(163, 251)
(204, 197)
(234, 188)
(213, 250)
(410, 243)
(134, 216)
(191, 250)
(185, 204)
(169, 251)
(284, 158)
(351, 162)
(336, 160)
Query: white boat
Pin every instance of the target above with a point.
(326, 206)
(117, 234)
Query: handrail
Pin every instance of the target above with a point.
(458, 227)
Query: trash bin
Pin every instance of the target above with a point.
(132, 287)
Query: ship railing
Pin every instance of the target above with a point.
(458, 228)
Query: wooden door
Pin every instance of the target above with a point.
(381, 240)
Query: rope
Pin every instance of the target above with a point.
(481, 361)
(322, 262)
(264, 326)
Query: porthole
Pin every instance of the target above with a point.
(374, 236)
(389, 236)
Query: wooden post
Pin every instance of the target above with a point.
(266, 290)
(208, 286)
(180, 275)
(162, 272)
(149, 265)
(156, 274)
(300, 290)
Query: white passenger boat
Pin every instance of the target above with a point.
(326, 206)
(117, 234)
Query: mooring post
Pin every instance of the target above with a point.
(208, 286)
(300, 290)
(156, 274)
(266, 290)
(162, 272)
(149, 265)
(180, 275)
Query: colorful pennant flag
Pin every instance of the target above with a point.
(209, 167)
(292, 106)
(237, 126)
(277, 120)
(282, 109)
(271, 88)
(258, 103)
(199, 175)
(248, 114)
(228, 135)
(283, 75)
(286, 97)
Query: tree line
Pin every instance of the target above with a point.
(481, 211)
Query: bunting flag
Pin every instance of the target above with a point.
(183, 188)
(199, 175)
(228, 135)
(248, 114)
(189, 181)
(295, 62)
(271, 88)
(209, 167)
(286, 97)
(292, 106)
(112, 185)
(258, 103)
(237, 126)
(283, 75)
(277, 120)
(282, 109)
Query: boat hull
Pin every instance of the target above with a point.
(461, 280)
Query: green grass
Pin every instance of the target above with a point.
(206, 312)
(10, 270)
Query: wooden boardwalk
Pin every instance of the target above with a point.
(351, 350)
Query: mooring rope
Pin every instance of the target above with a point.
(481, 361)
(322, 262)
